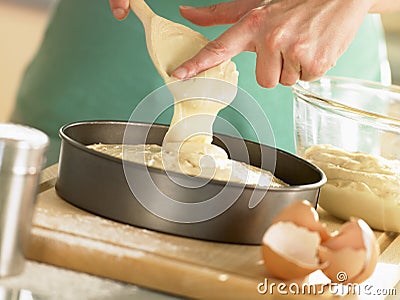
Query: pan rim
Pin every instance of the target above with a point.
(65, 137)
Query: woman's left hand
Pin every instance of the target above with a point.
(119, 8)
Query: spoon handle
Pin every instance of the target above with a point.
(143, 11)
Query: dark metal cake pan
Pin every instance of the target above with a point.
(107, 186)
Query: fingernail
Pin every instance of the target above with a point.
(180, 73)
(186, 7)
(119, 13)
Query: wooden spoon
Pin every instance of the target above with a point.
(169, 44)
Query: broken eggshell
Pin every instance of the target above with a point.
(352, 254)
(297, 244)
(290, 251)
(303, 214)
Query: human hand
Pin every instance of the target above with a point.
(293, 39)
(119, 8)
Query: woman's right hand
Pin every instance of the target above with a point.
(293, 39)
(220, 13)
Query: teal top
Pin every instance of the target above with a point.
(91, 67)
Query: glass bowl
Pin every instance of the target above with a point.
(351, 129)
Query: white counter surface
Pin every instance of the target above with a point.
(45, 282)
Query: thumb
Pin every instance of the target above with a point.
(233, 41)
(218, 14)
(119, 8)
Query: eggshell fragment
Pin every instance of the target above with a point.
(296, 244)
(303, 214)
(372, 254)
(352, 254)
(343, 265)
(290, 251)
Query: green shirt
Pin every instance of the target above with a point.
(91, 66)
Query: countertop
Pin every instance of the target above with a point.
(45, 282)
(161, 268)
(40, 281)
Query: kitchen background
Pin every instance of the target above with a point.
(22, 24)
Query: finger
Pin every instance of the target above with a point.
(316, 66)
(291, 71)
(233, 41)
(307, 76)
(218, 14)
(268, 67)
(119, 8)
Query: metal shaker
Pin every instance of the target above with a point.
(22, 157)
(16, 294)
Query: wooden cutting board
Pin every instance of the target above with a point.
(66, 236)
